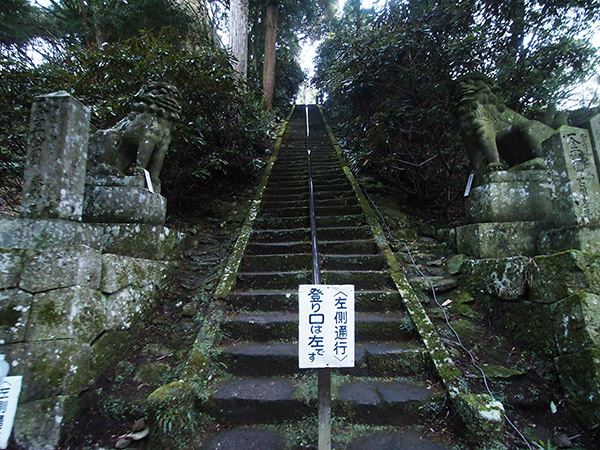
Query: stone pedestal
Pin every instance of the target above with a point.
(506, 211)
(503, 196)
(497, 239)
(123, 200)
(54, 176)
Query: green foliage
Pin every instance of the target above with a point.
(222, 128)
(17, 22)
(99, 21)
(389, 80)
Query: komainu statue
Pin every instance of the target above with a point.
(139, 141)
(496, 137)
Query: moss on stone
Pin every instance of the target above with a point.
(49, 315)
(579, 375)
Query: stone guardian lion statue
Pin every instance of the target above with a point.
(140, 140)
(496, 137)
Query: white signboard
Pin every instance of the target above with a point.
(9, 396)
(326, 326)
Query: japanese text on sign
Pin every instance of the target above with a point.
(326, 326)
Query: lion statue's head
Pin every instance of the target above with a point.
(158, 98)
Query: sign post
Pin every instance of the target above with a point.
(325, 340)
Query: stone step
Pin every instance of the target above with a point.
(281, 358)
(363, 247)
(266, 223)
(302, 261)
(367, 400)
(362, 280)
(269, 326)
(376, 438)
(304, 234)
(278, 248)
(367, 301)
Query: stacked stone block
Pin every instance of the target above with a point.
(70, 290)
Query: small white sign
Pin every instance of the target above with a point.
(148, 181)
(326, 326)
(469, 184)
(9, 397)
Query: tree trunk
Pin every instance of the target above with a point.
(238, 30)
(269, 62)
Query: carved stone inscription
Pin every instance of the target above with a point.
(54, 177)
(577, 190)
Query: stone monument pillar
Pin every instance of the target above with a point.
(576, 193)
(54, 178)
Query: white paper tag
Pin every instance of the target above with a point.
(469, 183)
(9, 397)
(148, 181)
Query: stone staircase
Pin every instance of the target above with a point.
(393, 384)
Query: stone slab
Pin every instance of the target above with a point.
(56, 160)
(38, 424)
(579, 375)
(504, 278)
(50, 368)
(15, 306)
(120, 271)
(571, 165)
(11, 265)
(42, 233)
(69, 313)
(124, 307)
(404, 440)
(118, 204)
(44, 270)
(554, 277)
(576, 321)
(245, 439)
(511, 197)
(498, 239)
(584, 238)
(137, 181)
(140, 240)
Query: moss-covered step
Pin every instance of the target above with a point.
(281, 358)
(368, 301)
(337, 210)
(343, 201)
(268, 223)
(352, 262)
(284, 190)
(361, 279)
(363, 247)
(291, 211)
(269, 248)
(343, 220)
(251, 281)
(255, 263)
(291, 235)
(344, 233)
(282, 202)
(386, 402)
(258, 400)
(368, 400)
(290, 280)
(268, 326)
